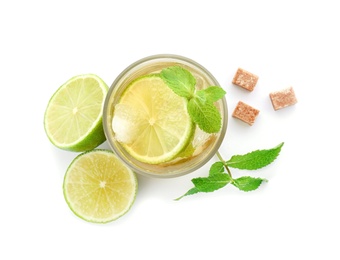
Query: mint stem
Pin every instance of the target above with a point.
(224, 163)
(219, 156)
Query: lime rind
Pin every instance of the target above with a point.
(76, 210)
(181, 147)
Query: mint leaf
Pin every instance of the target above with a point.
(216, 168)
(247, 183)
(212, 182)
(254, 160)
(208, 184)
(205, 115)
(192, 191)
(212, 93)
(180, 80)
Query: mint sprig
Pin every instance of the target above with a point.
(220, 174)
(201, 106)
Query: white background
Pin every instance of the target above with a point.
(286, 43)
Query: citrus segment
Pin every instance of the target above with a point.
(151, 121)
(98, 187)
(73, 117)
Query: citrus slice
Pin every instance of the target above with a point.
(151, 121)
(73, 117)
(98, 187)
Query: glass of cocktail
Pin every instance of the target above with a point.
(147, 124)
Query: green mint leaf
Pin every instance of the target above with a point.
(212, 182)
(201, 96)
(254, 160)
(216, 168)
(205, 115)
(247, 183)
(212, 93)
(192, 191)
(180, 80)
(208, 184)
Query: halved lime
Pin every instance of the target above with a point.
(73, 117)
(151, 121)
(98, 187)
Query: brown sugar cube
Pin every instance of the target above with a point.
(283, 98)
(245, 113)
(245, 79)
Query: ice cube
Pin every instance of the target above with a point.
(125, 123)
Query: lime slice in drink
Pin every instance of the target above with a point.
(73, 117)
(98, 187)
(151, 121)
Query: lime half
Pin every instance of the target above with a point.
(151, 121)
(73, 117)
(98, 187)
